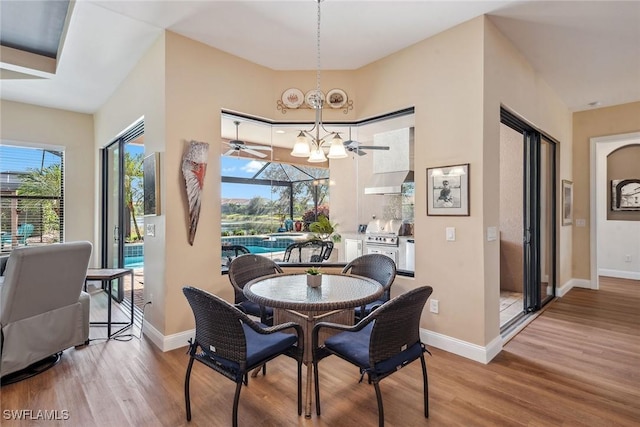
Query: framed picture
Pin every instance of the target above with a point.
(448, 190)
(625, 194)
(151, 179)
(567, 202)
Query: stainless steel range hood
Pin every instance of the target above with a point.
(388, 182)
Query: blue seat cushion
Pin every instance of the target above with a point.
(368, 308)
(254, 309)
(354, 347)
(260, 347)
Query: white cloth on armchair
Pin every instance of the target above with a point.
(43, 309)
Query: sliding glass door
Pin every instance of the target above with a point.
(122, 198)
(538, 216)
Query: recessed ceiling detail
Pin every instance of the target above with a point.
(31, 36)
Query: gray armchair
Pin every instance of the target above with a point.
(43, 310)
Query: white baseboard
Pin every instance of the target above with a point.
(572, 283)
(169, 342)
(434, 339)
(620, 274)
(462, 348)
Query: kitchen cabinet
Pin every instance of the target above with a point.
(352, 249)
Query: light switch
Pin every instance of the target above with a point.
(451, 234)
(492, 234)
(151, 230)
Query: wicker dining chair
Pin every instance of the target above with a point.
(229, 342)
(377, 267)
(244, 269)
(380, 344)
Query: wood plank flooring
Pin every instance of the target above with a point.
(577, 364)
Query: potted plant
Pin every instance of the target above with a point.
(314, 277)
(324, 229)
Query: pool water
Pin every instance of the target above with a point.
(134, 262)
(263, 250)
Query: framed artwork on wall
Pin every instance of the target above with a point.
(448, 190)
(625, 194)
(151, 186)
(567, 202)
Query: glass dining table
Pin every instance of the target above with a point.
(332, 301)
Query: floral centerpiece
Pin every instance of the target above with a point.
(314, 277)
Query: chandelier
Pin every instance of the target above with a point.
(309, 143)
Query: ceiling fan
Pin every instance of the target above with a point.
(236, 145)
(354, 146)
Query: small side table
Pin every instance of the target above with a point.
(106, 275)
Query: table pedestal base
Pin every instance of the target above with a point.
(307, 321)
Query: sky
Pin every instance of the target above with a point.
(17, 159)
(20, 159)
(242, 168)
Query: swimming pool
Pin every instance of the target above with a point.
(262, 249)
(134, 262)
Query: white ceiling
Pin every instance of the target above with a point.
(587, 51)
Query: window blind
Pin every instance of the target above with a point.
(31, 196)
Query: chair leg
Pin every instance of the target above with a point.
(317, 385)
(376, 384)
(426, 386)
(187, 399)
(236, 399)
(299, 387)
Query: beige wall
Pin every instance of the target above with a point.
(142, 93)
(456, 81)
(443, 77)
(588, 124)
(29, 124)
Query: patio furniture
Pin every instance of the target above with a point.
(294, 300)
(23, 232)
(230, 252)
(380, 344)
(244, 269)
(229, 342)
(377, 267)
(313, 250)
(43, 310)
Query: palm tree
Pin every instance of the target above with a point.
(133, 188)
(43, 182)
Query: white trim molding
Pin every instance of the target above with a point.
(169, 342)
(433, 339)
(462, 348)
(621, 274)
(573, 283)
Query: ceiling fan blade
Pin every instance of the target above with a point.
(356, 150)
(255, 153)
(258, 147)
(373, 147)
(230, 152)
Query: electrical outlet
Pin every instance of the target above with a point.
(433, 306)
(627, 258)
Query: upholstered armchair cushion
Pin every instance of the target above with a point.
(42, 307)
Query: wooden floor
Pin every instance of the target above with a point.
(577, 364)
